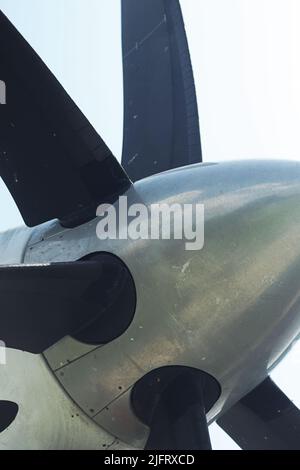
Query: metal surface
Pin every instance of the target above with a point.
(13, 245)
(47, 417)
(231, 309)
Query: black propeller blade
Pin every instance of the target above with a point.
(8, 413)
(265, 419)
(173, 402)
(51, 158)
(179, 418)
(41, 128)
(161, 124)
(40, 304)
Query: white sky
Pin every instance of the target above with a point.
(246, 59)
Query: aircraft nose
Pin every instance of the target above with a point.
(249, 269)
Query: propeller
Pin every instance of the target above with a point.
(52, 160)
(173, 401)
(41, 304)
(57, 166)
(265, 419)
(161, 122)
(179, 418)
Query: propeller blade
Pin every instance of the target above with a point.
(179, 418)
(265, 419)
(40, 304)
(8, 413)
(52, 160)
(173, 401)
(161, 124)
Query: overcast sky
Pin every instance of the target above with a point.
(246, 59)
